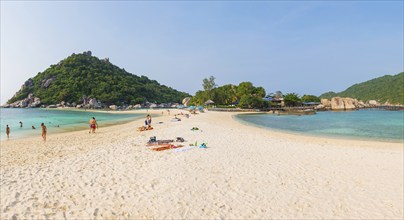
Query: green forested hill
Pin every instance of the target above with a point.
(84, 74)
(386, 88)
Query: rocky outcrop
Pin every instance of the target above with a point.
(93, 103)
(113, 107)
(320, 107)
(374, 103)
(47, 82)
(27, 84)
(361, 104)
(30, 102)
(338, 103)
(326, 103)
(35, 103)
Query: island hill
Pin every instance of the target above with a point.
(83, 80)
(387, 90)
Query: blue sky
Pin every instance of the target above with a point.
(307, 47)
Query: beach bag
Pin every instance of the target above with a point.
(203, 145)
(180, 139)
(153, 139)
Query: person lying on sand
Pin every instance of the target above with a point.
(145, 128)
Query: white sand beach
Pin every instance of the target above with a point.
(245, 173)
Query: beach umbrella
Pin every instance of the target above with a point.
(209, 102)
(191, 107)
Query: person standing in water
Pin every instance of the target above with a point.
(20, 124)
(8, 132)
(93, 125)
(44, 130)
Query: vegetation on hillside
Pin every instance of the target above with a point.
(84, 74)
(383, 89)
(245, 95)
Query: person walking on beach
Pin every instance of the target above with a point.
(44, 130)
(20, 124)
(93, 125)
(8, 132)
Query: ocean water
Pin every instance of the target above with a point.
(56, 121)
(369, 124)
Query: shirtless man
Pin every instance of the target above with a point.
(44, 130)
(8, 132)
(93, 125)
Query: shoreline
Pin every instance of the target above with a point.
(66, 128)
(157, 113)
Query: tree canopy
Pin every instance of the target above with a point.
(383, 89)
(245, 95)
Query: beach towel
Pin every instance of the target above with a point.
(184, 149)
(159, 142)
(166, 147)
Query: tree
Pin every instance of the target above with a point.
(278, 94)
(245, 88)
(248, 101)
(291, 99)
(310, 98)
(209, 83)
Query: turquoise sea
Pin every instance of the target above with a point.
(369, 124)
(55, 120)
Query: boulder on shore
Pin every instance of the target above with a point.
(374, 103)
(93, 103)
(338, 103)
(326, 103)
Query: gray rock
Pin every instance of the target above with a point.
(94, 103)
(47, 82)
(28, 84)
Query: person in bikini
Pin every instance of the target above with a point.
(93, 125)
(44, 130)
(8, 132)
(148, 122)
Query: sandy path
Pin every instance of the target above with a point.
(245, 172)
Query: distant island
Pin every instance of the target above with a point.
(85, 80)
(385, 90)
